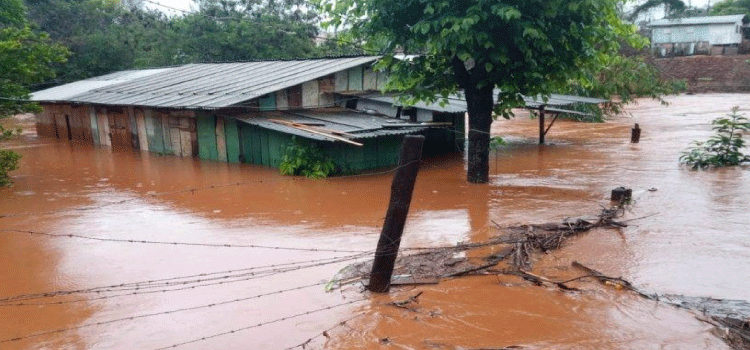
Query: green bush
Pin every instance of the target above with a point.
(722, 149)
(8, 159)
(306, 160)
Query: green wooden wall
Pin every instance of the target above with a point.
(267, 102)
(231, 135)
(206, 130)
(261, 146)
(265, 147)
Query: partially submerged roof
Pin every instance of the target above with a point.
(360, 125)
(202, 86)
(457, 103)
(699, 21)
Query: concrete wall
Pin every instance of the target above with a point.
(709, 73)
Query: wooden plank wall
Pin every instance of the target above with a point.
(360, 78)
(221, 142)
(207, 140)
(231, 134)
(65, 122)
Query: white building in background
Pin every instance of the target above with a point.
(715, 35)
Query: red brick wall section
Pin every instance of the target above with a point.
(708, 73)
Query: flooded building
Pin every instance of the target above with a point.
(239, 112)
(715, 35)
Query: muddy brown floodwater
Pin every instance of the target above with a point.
(266, 290)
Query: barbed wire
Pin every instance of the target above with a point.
(168, 312)
(201, 278)
(325, 332)
(260, 324)
(194, 244)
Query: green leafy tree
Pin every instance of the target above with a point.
(621, 80)
(521, 47)
(722, 149)
(104, 36)
(240, 30)
(731, 7)
(25, 59)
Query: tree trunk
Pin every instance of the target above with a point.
(480, 105)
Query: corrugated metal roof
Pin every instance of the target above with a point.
(456, 103)
(214, 85)
(698, 20)
(64, 93)
(361, 125)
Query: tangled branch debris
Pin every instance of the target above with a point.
(516, 245)
(542, 238)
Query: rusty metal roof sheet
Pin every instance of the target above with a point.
(362, 125)
(210, 85)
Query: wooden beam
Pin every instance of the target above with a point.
(314, 131)
(551, 123)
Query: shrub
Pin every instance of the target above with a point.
(722, 149)
(8, 159)
(305, 159)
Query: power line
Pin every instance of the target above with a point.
(262, 324)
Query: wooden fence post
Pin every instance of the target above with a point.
(635, 134)
(395, 219)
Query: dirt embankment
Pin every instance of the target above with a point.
(708, 73)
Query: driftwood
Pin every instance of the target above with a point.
(542, 238)
(518, 244)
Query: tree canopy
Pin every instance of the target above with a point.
(26, 58)
(521, 47)
(731, 7)
(107, 35)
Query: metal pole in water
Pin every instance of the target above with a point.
(395, 218)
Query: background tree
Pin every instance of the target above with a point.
(25, 60)
(674, 7)
(731, 7)
(521, 47)
(240, 30)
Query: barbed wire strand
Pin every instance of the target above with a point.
(196, 244)
(325, 332)
(168, 312)
(145, 285)
(260, 324)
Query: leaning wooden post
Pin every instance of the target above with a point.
(635, 134)
(401, 191)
